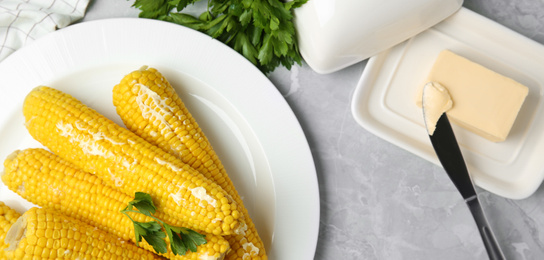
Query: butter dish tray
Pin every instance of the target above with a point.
(384, 101)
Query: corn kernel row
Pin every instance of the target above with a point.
(8, 217)
(45, 234)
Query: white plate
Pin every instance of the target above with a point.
(384, 100)
(246, 119)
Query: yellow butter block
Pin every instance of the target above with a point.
(484, 102)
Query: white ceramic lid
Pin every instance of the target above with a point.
(334, 34)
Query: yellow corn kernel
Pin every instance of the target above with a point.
(150, 107)
(8, 216)
(62, 186)
(20, 233)
(121, 159)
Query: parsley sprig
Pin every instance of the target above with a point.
(181, 239)
(260, 30)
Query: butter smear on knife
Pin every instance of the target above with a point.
(436, 101)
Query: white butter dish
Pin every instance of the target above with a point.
(334, 34)
(384, 100)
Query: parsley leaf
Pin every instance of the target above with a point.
(192, 239)
(144, 203)
(181, 239)
(177, 246)
(152, 234)
(261, 30)
(152, 8)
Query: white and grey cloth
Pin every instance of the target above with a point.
(23, 21)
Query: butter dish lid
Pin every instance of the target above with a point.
(334, 34)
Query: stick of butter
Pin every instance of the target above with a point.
(484, 101)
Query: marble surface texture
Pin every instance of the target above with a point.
(379, 201)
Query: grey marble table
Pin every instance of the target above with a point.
(379, 201)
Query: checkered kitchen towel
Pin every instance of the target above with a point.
(23, 21)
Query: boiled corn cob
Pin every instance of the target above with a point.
(123, 160)
(47, 180)
(150, 107)
(46, 234)
(8, 216)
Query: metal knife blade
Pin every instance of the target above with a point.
(450, 156)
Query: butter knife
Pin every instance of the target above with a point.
(449, 154)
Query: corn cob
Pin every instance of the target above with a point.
(123, 160)
(150, 107)
(46, 234)
(8, 216)
(47, 180)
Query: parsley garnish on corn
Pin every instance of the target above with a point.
(48, 181)
(150, 107)
(181, 239)
(95, 144)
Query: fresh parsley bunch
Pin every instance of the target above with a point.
(260, 30)
(181, 239)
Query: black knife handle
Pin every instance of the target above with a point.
(490, 242)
